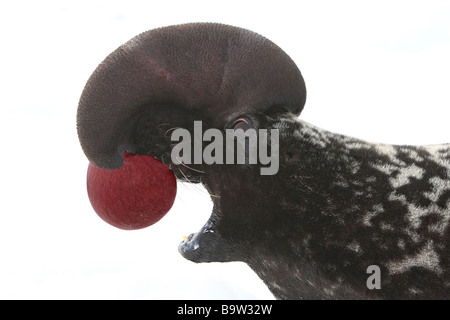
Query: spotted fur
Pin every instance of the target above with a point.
(337, 206)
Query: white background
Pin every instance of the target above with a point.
(377, 70)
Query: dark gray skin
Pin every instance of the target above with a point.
(336, 206)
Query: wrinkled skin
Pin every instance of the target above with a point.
(336, 206)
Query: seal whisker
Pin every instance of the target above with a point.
(163, 124)
(185, 176)
(169, 163)
(171, 129)
(184, 165)
(194, 185)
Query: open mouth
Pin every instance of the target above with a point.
(193, 245)
(208, 243)
(203, 245)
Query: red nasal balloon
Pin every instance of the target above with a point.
(136, 195)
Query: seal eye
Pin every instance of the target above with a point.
(241, 123)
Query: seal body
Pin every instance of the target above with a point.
(337, 206)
